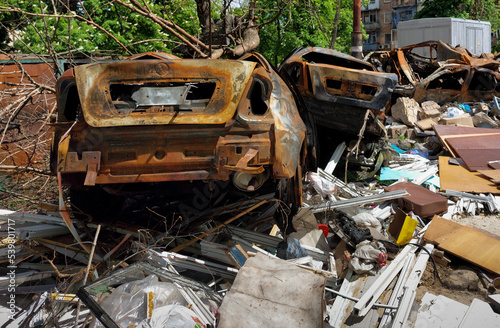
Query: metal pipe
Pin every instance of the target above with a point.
(384, 306)
(356, 35)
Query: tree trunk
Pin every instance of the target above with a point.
(336, 23)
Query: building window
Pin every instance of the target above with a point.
(387, 17)
(372, 37)
(387, 38)
(369, 17)
(407, 15)
(372, 2)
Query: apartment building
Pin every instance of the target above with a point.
(381, 18)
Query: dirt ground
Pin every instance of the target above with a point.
(488, 223)
(25, 191)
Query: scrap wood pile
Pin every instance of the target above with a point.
(356, 257)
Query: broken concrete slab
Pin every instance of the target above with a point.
(462, 120)
(426, 124)
(484, 121)
(430, 110)
(405, 110)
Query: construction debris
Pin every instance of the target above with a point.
(360, 243)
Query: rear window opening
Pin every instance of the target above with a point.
(449, 81)
(295, 73)
(162, 97)
(320, 58)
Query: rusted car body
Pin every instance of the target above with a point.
(157, 118)
(433, 70)
(338, 88)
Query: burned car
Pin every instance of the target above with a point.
(433, 70)
(158, 118)
(338, 88)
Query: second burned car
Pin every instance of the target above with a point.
(338, 88)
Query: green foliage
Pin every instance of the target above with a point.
(300, 23)
(137, 32)
(304, 23)
(444, 8)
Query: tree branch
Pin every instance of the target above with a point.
(88, 21)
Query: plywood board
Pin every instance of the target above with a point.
(472, 245)
(458, 178)
(445, 132)
(477, 151)
(491, 174)
(495, 165)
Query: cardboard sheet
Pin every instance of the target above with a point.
(271, 292)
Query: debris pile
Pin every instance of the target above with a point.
(373, 239)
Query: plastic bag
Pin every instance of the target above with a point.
(322, 186)
(368, 257)
(172, 316)
(367, 220)
(127, 303)
(453, 112)
(291, 249)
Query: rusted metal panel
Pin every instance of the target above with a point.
(350, 86)
(338, 88)
(445, 74)
(250, 123)
(110, 93)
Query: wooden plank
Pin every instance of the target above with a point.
(458, 178)
(472, 245)
(492, 174)
(477, 159)
(495, 165)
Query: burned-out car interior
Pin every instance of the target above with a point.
(434, 70)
